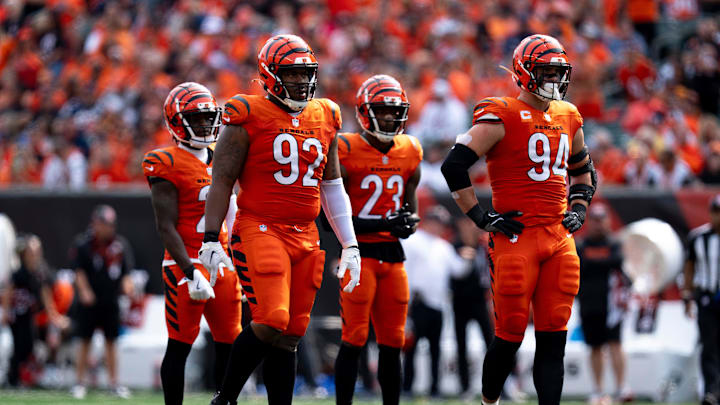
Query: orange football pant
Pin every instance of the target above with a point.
(280, 268)
(182, 314)
(382, 295)
(540, 267)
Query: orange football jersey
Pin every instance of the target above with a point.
(376, 181)
(528, 167)
(192, 179)
(286, 158)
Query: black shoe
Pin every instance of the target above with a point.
(218, 400)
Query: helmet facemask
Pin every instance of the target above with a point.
(295, 84)
(386, 120)
(550, 81)
(201, 126)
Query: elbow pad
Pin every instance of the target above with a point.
(586, 168)
(456, 165)
(336, 204)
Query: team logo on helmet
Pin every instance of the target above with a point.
(279, 54)
(192, 115)
(379, 97)
(541, 66)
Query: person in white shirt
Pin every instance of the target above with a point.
(430, 260)
(442, 117)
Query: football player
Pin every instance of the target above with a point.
(283, 150)
(381, 170)
(179, 177)
(531, 143)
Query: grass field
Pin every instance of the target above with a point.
(146, 398)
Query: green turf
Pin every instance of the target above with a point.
(40, 397)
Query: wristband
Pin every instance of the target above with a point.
(188, 271)
(579, 208)
(476, 214)
(211, 236)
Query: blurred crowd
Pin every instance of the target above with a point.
(82, 82)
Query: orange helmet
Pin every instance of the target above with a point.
(287, 52)
(535, 57)
(192, 115)
(377, 92)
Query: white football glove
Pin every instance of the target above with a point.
(198, 288)
(350, 259)
(213, 257)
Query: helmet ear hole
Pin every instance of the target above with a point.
(527, 64)
(531, 85)
(276, 88)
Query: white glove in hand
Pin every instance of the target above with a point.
(213, 256)
(198, 288)
(350, 259)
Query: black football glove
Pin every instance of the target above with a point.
(493, 221)
(403, 222)
(575, 218)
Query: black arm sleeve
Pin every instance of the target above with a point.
(362, 225)
(456, 165)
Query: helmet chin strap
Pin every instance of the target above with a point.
(380, 135)
(293, 105)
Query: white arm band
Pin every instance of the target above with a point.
(336, 204)
(230, 216)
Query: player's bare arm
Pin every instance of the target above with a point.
(410, 199)
(164, 197)
(332, 167)
(583, 183)
(406, 220)
(228, 163)
(468, 149)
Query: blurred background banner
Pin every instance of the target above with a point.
(58, 216)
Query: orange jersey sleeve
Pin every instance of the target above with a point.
(286, 158)
(159, 163)
(528, 167)
(236, 111)
(376, 181)
(192, 179)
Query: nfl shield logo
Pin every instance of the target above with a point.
(547, 117)
(263, 227)
(385, 160)
(209, 170)
(295, 122)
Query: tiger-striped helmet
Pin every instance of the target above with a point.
(382, 92)
(537, 58)
(192, 115)
(287, 52)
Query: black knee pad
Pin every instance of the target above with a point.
(388, 363)
(550, 345)
(177, 349)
